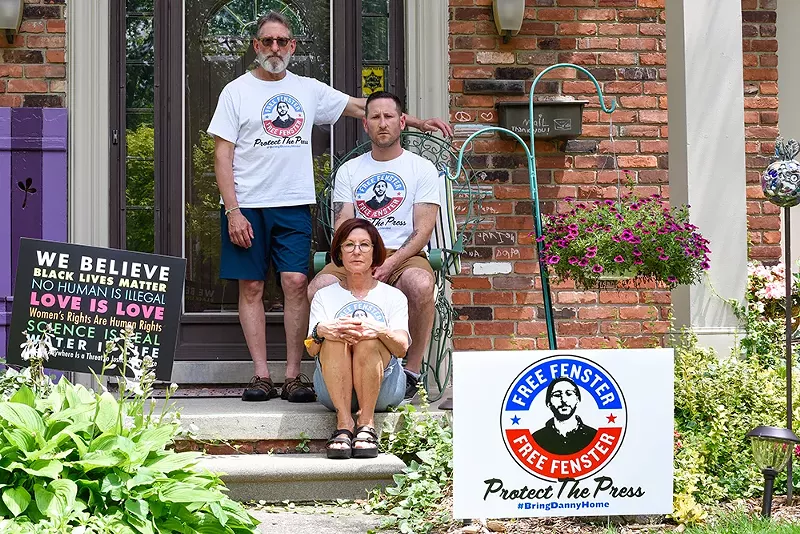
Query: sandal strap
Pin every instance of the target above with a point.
(366, 429)
(341, 435)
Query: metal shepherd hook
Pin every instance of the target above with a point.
(530, 152)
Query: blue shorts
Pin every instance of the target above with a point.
(282, 237)
(393, 388)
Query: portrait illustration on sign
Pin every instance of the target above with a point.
(563, 417)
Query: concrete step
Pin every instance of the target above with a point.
(231, 419)
(301, 477)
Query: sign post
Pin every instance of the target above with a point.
(88, 295)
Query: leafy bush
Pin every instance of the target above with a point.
(75, 461)
(763, 313)
(717, 401)
(415, 503)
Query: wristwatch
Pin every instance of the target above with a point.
(315, 336)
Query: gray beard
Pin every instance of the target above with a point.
(273, 68)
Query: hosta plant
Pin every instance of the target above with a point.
(76, 461)
(639, 238)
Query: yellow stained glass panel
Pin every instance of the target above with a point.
(373, 79)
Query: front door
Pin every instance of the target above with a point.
(169, 82)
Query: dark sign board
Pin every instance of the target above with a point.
(554, 119)
(87, 295)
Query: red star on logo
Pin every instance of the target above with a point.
(612, 418)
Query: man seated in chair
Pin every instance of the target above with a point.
(405, 216)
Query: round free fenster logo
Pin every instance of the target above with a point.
(564, 417)
(283, 116)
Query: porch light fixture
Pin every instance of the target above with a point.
(508, 15)
(772, 449)
(10, 17)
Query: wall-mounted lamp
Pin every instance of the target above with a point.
(10, 17)
(508, 15)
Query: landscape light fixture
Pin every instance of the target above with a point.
(10, 17)
(508, 15)
(772, 448)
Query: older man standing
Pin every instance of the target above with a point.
(264, 170)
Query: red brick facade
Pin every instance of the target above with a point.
(623, 43)
(761, 120)
(33, 69)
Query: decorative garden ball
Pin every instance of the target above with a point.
(781, 181)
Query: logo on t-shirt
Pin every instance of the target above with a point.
(361, 309)
(380, 195)
(283, 116)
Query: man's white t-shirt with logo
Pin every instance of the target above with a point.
(406, 180)
(272, 160)
(384, 304)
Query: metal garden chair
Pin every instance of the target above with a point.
(459, 216)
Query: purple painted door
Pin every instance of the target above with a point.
(33, 189)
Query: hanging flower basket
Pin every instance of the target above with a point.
(638, 238)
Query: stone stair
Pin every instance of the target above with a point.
(258, 449)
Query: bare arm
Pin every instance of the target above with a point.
(239, 228)
(223, 169)
(342, 211)
(356, 108)
(424, 221)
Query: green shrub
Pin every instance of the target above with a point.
(717, 401)
(415, 503)
(76, 461)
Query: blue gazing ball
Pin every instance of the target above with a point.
(781, 181)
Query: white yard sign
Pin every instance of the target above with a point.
(563, 433)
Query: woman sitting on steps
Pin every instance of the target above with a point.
(358, 329)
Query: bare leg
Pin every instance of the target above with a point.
(337, 371)
(320, 281)
(295, 319)
(418, 286)
(370, 358)
(251, 317)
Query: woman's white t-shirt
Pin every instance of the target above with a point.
(270, 124)
(384, 304)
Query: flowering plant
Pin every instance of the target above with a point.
(763, 312)
(635, 237)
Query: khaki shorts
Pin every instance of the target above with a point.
(420, 261)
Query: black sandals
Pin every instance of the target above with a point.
(344, 436)
(365, 452)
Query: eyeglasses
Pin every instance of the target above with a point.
(267, 41)
(351, 247)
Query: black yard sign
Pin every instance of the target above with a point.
(88, 295)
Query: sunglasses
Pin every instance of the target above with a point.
(267, 41)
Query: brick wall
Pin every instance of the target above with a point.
(761, 122)
(33, 69)
(622, 42)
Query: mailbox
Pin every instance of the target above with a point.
(552, 119)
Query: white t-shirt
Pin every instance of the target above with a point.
(270, 124)
(384, 304)
(406, 180)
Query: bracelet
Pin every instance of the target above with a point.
(315, 336)
(229, 210)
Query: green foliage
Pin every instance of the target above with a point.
(763, 313)
(742, 523)
(74, 460)
(717, 401)
(636, 237)
(140, 188)
(425, 444)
